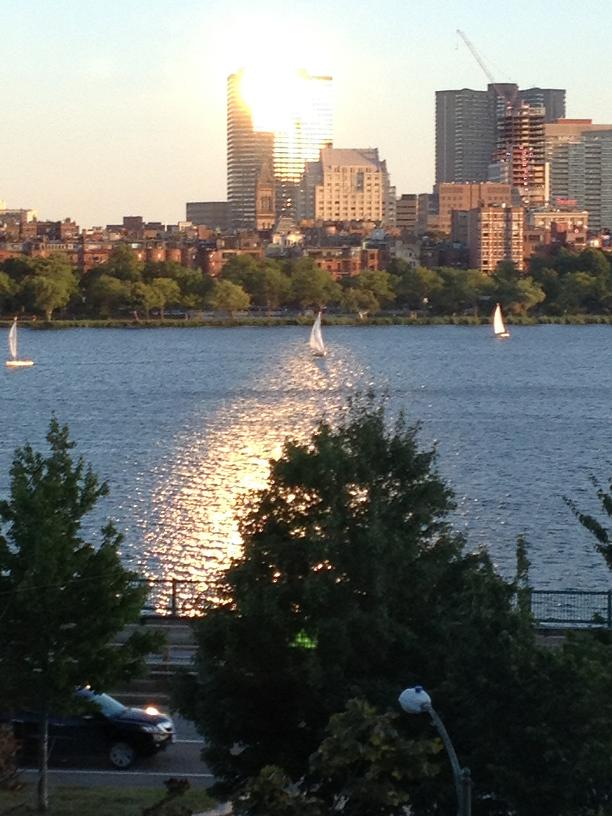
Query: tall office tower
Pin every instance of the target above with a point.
(465, 135)
(551, 99)
(349, 185)
(495, 233)
(520, 156)
(308, 127)
(273, 129)
(590, 176)
(248, 153)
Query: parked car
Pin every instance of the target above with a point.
(102, 726)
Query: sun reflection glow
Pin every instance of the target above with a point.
(197, 500)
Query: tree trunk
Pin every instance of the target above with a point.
(43, 761)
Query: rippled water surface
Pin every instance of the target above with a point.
(181, 422)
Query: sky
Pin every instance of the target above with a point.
(118, 108)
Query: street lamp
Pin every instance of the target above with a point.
(415, 701)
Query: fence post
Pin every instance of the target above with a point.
(609, 609)
(173, 606)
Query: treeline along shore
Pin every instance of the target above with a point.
(562, 286)
(253, 320)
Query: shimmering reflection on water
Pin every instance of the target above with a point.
(195, 503)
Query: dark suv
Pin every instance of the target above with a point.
(102, 726)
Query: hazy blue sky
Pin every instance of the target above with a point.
(118, 107)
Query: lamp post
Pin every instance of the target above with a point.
(416, 701)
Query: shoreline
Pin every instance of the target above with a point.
(300, 320)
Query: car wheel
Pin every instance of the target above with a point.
(121, 755)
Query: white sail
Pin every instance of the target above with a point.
(316, 338)
(14, 361)
(499, 328)
(12, 341)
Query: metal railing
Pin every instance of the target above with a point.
(177, 597)
(572, 608)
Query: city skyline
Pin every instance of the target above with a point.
(122, 111)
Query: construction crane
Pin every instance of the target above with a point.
(508, 91)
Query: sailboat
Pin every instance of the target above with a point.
(14, 361)
(499, 329)
(316, 338)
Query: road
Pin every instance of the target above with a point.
(182, 759)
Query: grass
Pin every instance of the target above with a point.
(97, 801)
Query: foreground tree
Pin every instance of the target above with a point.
(365, 766)
(352, 584)
(62, 599)
(595, 526)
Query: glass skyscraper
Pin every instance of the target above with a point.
(280, 132)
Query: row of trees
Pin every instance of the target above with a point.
(564, 283)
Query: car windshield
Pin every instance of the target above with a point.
(107, 704)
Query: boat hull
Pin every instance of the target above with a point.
(19, 363)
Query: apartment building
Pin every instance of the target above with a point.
(495, 234)
(453, 196)
(349, 185)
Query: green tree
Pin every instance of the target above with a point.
(461, 290)
(122, 263)
(107, 295)
(312, 287)
(144, 296)
(352, 583)
(416, 287)
(378, 284)
(167, 292)
(46, 295)
(7, 290)
(50, 286)
(358, 300)
(62, 599)
(269, 286)
(518, 293)
(596, 527)
(365, 766)
(229, 297)
(18, 268)
(581, 292)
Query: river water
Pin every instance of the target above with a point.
(181, 422)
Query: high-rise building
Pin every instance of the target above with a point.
(248, 151)
(566, 161)
(465, 135)
(349, 185)
(590, 177)
(468, 125)
(551, 99)
(520, 155)
(495, 234)
(271, 134)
